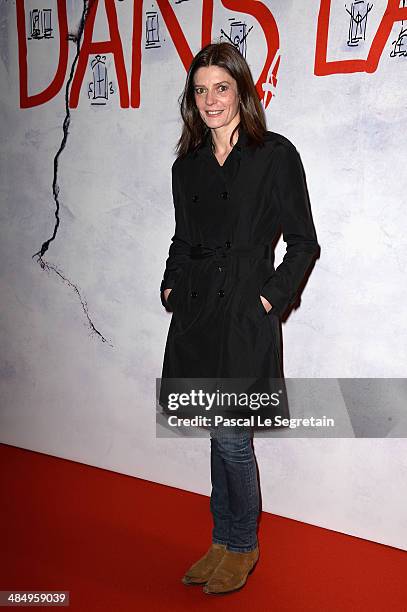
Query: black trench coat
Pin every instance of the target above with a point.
(221, 258)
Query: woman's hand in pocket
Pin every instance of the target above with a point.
(266, 304)
(167, 293)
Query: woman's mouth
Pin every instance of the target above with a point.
(214, 113)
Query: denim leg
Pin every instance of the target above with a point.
(235, 490)
(219, 503)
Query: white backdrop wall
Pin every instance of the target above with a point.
(83, 329)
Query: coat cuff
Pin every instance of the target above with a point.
(164, 301)
(280, 293)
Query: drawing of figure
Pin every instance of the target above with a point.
(35, 24)
(358, 20)
(100, 82)
(400, 44)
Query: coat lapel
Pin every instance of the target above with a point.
(238, 152)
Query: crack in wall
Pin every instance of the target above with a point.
(75, 37)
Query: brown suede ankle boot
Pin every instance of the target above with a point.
(201, 571)
(231, 573)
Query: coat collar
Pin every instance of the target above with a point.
(240, 146)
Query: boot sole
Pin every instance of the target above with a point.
(193, 583)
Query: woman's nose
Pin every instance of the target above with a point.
(210, 98)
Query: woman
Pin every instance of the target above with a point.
(235, 185)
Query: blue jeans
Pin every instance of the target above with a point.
(235, 495)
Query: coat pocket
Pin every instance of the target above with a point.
(187, 299)
(251, 305)
(258, 310)
(169, 298)
(172, 298)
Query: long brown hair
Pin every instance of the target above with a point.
(252, 118)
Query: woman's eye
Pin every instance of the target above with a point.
(221, 88)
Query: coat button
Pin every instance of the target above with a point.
(194, 294)
(228, 244)
(224, 195)
(221, 293)
(195, 197)
(220, 268)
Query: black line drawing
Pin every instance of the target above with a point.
(400, 44)
(75, 37)
(237, 35)
(152, 30)
(358, 21)
(40, 24)
(100, 87)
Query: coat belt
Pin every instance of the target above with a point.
(200, 251)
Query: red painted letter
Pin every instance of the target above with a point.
(114, 45)
(27, 101)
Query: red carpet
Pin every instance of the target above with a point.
(119, 544)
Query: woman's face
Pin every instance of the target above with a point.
(216, 96)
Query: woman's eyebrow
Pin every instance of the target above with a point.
(220, 83)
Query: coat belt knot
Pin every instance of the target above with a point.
(201, 251)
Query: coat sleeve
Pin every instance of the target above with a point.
(297, 227)
(178, 253)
